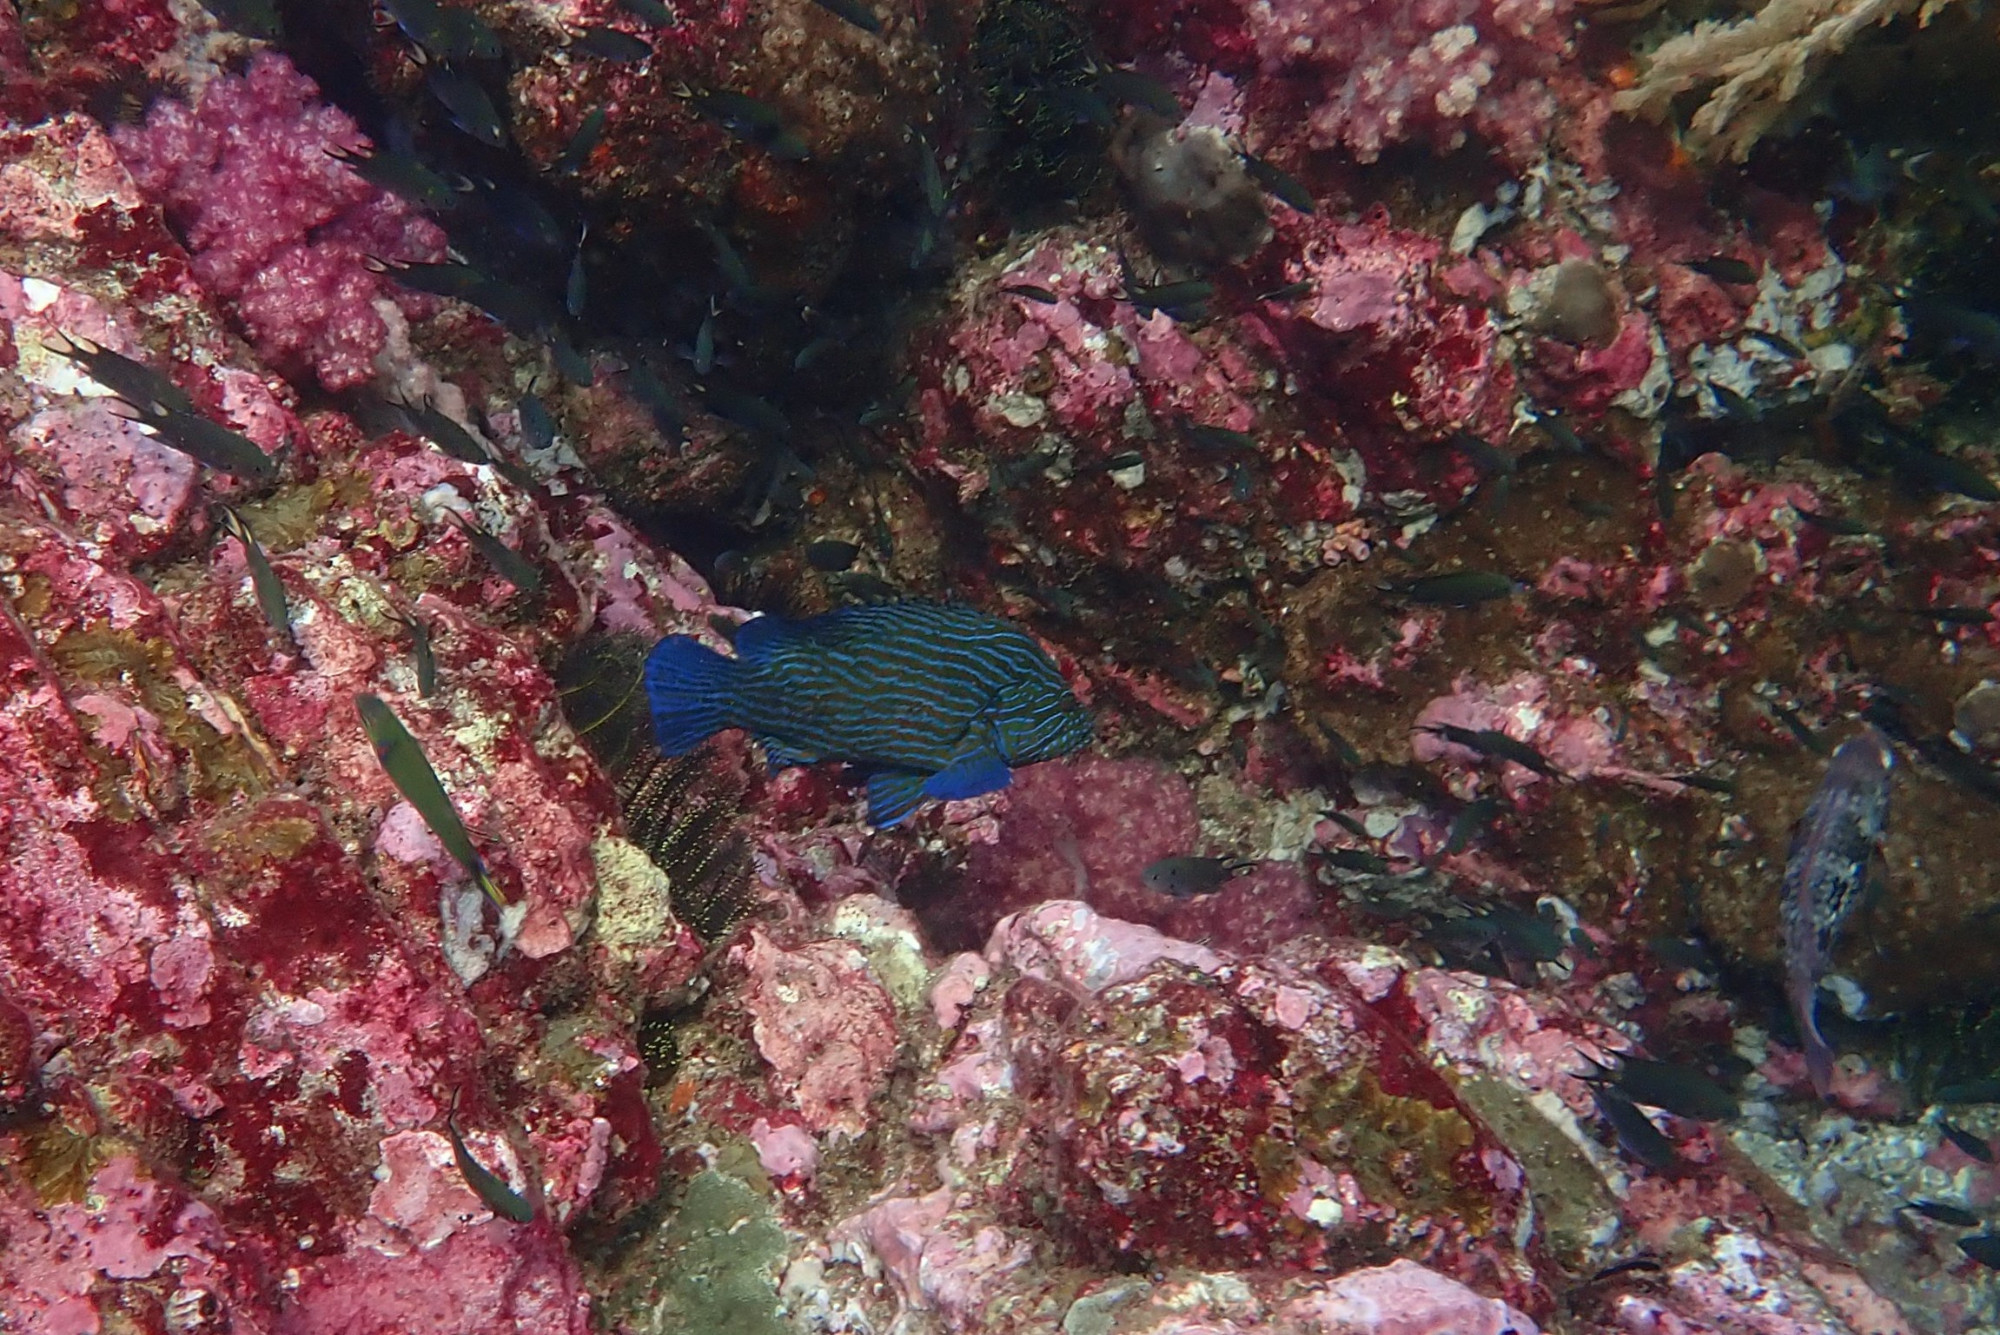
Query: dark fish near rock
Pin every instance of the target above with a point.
(1943, 1212)
(1458, 588)
(420, 651)
(860, 15)
(831, 555)
(135, 382)
(489, 1186)
(1290, 291)
(444, 431)
(470, 108)
(1968, 1143)
(589, 132)
(538, 429)
(1680, 1090)
(1281, 185)
(208, 443)
(515, 568)
(443, 279)
(263, 579)
(1824, 875)
(1180, 301)
(1140, 90)
(650, 11)
(1355, 860)
(932, 700)
(1496, 744)
(754, 122)
(1725, 269)
(1983, 1248)
(401, 175)
(611, 44)
(1187, 877)
(1985, 1090)
(1637, 1136)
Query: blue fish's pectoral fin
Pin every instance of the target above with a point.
(893, 794)
(690, 688)
(783, 755)
(983, 771)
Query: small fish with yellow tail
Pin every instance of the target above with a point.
(403, 760)
(489, 1186)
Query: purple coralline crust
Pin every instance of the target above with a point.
(277, 226)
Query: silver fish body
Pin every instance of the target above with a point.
(1825, 873)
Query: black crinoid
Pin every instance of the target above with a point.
(1047, 124)
(684, 811)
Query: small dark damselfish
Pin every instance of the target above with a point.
(930, 700)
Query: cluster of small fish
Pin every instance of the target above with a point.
(160, 405)
(1983, 1247)
(1621, 1092)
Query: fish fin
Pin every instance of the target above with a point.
(689, 686)
(1819, 1057)
(783, 755)
(893, 794)
(759, 637)
(983, 771)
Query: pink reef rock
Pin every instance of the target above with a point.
(229, 1030)
(277, 226)
(1383, 73)
(825, 1026)
(1402, 1298)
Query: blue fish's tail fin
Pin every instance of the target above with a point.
(690, 688)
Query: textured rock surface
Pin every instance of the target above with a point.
(760, 1068)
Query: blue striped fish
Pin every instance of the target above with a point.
(930, 700)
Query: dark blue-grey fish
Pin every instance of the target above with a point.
(470, 108)
(581, 144)
(651, 11)
(1637, 1136)
(931, 700)
(1189, 877)
(489, 1186)
(135, 382)
(611, 44)
(538, 429)
(1824, 875)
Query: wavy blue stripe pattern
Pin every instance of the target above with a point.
(936, 689)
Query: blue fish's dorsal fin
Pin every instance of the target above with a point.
(893, 794)
(691, 689)
(982, 771)
(758, 638)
